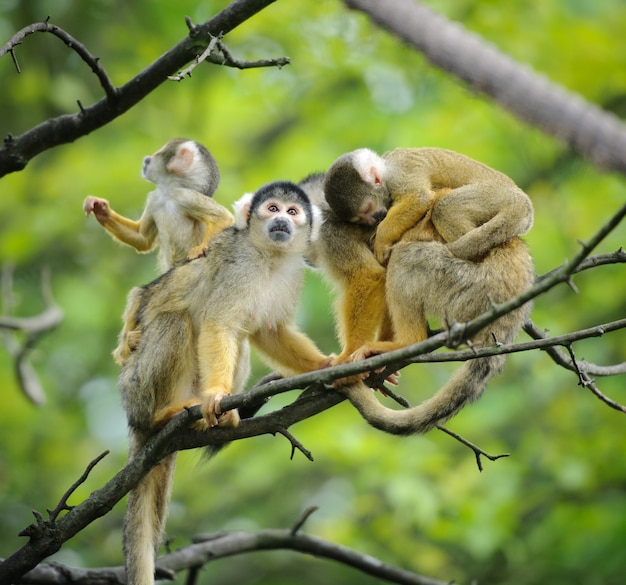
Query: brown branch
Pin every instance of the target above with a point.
(17, 151)
(37, 529)
(586, 382)
(70, 41)
(561, 358)
(33, 328)
(210, 547)
(478, 452)
(592, 132)
(225, 57)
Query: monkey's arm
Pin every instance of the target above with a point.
(206, 210)
(406, 210)
(289, 350)
(138, 234)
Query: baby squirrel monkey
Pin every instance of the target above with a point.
(449, 228)
(180, 215)
(194, 321)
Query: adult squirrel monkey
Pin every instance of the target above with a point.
(449, 228)
(194, 321)
(180, 215)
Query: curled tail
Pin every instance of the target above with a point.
(465, 386)
(145, 521)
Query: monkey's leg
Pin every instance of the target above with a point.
(217, 354)
(361, 311)
(212, 227)
(477, 217)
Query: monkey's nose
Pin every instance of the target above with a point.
(378, 216)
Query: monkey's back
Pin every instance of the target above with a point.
(442, 168)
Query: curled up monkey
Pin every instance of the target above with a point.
(414, 233)
(194, 321)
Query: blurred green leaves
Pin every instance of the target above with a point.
(554, 512)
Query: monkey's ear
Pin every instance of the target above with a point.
(241, 207)
(369, 165)
(317, 219)
(183, 159)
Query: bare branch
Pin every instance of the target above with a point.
(33, 328)
(209, 547)
(586, 382)
(71, 42)
(560, 357)
(17, 151)
(224, 57)
(36, 530)
(592, 132)
(478, 452)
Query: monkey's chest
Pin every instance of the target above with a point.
(273, 303)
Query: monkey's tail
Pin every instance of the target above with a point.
(145, 521)
(465, 386)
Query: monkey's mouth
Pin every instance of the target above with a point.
(280, 232)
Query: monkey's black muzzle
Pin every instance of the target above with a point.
(280, 230)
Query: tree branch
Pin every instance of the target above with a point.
(70, 41)
(592, 132)
(33, 328)
(17, 151)
(209, 547)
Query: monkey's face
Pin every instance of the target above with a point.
(282, 219)
(371, 212)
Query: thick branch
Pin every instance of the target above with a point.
(590, 131)
(215, 546)
(19, 150)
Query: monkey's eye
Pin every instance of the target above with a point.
(292, 211)
(273, 208)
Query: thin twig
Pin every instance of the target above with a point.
(295, 444)
(71, 42)
(37, 528)
(305, 516)
(477, 450)
(586, 382)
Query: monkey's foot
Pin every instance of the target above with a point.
(163, 416)
(213, 414)
(196, 252)
(348, 380)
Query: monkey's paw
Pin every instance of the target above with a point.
(164, 415)
(196, 252)
(382, 251)
(99, 207)
(348, 380)
(213, 414)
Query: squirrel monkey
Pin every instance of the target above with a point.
(449, 227)
(180, 215)
(194, 321)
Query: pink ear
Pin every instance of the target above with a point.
(181, 162)
(375, 175)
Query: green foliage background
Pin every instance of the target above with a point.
(554, 512)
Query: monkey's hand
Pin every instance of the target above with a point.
(99, 207)
(382, 250)
(213, 414)
(196, 252)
